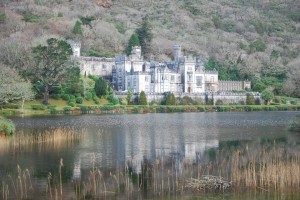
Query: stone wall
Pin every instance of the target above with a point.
(226, 97)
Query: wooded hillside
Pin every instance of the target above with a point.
(257, 40)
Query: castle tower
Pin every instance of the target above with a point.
(76, 49)
(136, 52)
(176, 52)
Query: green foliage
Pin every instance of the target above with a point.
(89, 96)
(60, 14)
(93, 77)
(11, 106)
(2, 17)
(67, 108)
(133, 41)
(124, 101)
(99, 53)
(144, 34)
(56, 96)
(250, 100)
(65, 97)
(38, 107)
(170, 99)
(259, 86)
(77, 30)
(219, 102)
(6, 127)
(114, 100)
(129, 95)
(267, 96)
(258, 45)
(72, 83)
(79, 100)
(143, 98)
(51, 64)
(96, 100)
(29, 17)
(87, 21)
(101, 87)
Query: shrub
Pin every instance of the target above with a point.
(71, 103)
(60, 14)
(53, 111)
(143, 98)
(250, 100)
(28, 17)
(2, 17)
(219, 102)
(114, 100)
(65, 97)
(72, 96)
(38, 107)
(201, 108)
(51, 106)
(67, 108)
(6, 126)
(89, 96)
(84, 108)
(79, 100)
(11, 106)
(56, 96)
(77, 95)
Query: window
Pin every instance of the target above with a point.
(190, 69)
(172, 78)
(146, 79)
(129, 84)
(189, 78)
(199, 81)
(104, 67)
(212, 79)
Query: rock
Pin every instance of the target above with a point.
(104, 3)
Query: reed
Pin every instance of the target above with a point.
(271, 169)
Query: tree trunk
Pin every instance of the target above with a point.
(46, 95)
(22, 107)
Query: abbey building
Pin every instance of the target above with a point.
(184, 74)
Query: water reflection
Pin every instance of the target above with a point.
(130, 140)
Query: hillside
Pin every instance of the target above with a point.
(257, 40)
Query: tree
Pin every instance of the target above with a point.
(170, 99)
(144, 34)
(77, 30)
(267, 96)
(51, 63)
(100, 87)
(133, 41)
(250, 100)
(87, 21)
(13, 87)
(129, 95)
(143, 98)
(72, 83)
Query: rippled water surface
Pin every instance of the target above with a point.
(115, 140)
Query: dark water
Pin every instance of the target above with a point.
(115, 140)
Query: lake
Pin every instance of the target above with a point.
(112, 142)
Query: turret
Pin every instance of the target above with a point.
(176, 52)
(76, 49)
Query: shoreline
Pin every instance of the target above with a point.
(139, 109)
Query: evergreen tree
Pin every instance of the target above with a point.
(77, 30)
(100, 87)
(250, 100)
(133, 41)
(170, 99)
(87, 21)
(145, 36)
(143, 98)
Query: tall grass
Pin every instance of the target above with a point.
(271, 169)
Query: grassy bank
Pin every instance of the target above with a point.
(61, 107)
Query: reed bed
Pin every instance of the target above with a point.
(54, 138)
(267, 169)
